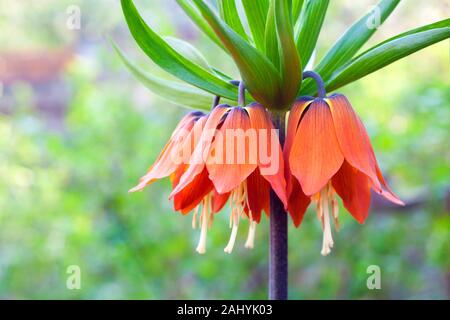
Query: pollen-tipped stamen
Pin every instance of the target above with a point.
(249, 244)
(335, 211)
(234, 230)
(238, 201)
(334, 206)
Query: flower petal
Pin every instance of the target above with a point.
(229, 162)
(191, 195)
(219, 201)
(197, 162)
(353, 138)
(165, 164)
(386, 190)
(315, 156)
(295, 115)
(298, 203)
(353, 187)
(293, 121)
(258, 193)
(269, 153)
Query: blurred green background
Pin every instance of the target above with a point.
(77, 130)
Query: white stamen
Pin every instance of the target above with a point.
(335, 210)
(194, 217)
(230, 245)
(327, 236)
(251, 235)
(319, 211)
(201, 248)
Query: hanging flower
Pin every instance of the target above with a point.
(239, 157)
(232, 154)
(329, 153)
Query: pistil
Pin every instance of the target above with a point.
(204, 223)
(324, 199)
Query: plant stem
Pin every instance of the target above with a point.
(321, 92)
(278, 260)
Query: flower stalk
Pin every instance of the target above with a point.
(278, 252)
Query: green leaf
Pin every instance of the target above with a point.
(309, 28)
(256, 12)
(389, 51)
(297, 6)
(435, 25)
(174, 92)
(291, 69)
(271, 47)
(170, 60)
(353, 40)
(230, 15)
(260, 76)
(198, 20)
(189, 51)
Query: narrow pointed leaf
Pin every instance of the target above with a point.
(260, 76)
(291, 69)
(256, 12)
(189, 51)
(170, 60)
(271, 47)
(230, 15)
(297, 6)
(198, 20)
(352, 41)
(388, 52)
(174, 92)
(309, 28)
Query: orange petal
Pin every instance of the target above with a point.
(229, 162)
(295, 115)
(353, 187)
(197, 160)
(165, 164)
(269, 155)
(298, 203)
(315, 156)
(219, 201)
(353, 139)
(258, 193)
(191, 195)
(386, 190)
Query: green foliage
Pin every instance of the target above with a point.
(172, 91)
(309, 27)
(289, 57)
(260, 76)
(351, 42)
(388, 52)
(256, 12)
(266, 59)
(172, 61)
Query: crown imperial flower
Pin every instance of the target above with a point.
(329, 153)
(218, 157)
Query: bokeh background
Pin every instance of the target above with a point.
(77, 130)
